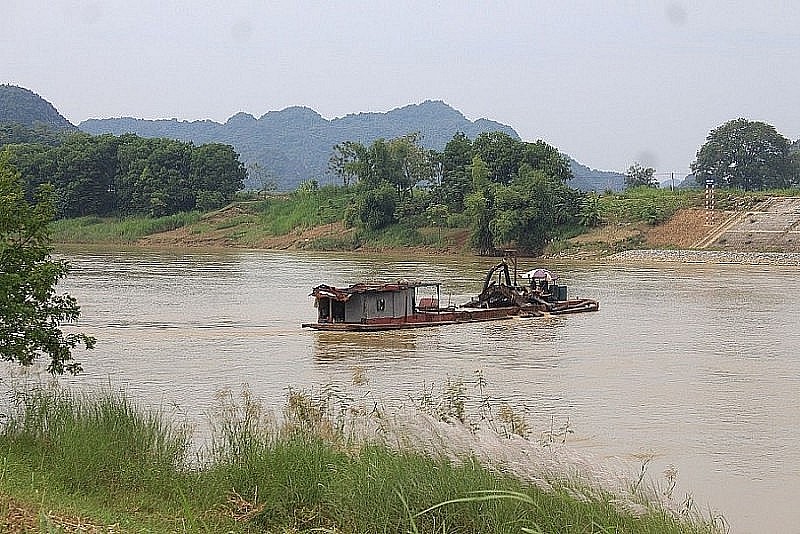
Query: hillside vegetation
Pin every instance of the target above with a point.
(506, 192)
(22, 106)
(281, 148)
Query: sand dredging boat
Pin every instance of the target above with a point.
(374, 306)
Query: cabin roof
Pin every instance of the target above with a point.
(344, 294)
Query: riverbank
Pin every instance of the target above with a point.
(688, 236)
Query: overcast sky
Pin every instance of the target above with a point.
(609, 83)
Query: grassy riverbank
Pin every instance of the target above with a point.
(100, 464)
(639, 218)
(315, 221)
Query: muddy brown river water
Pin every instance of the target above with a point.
(697, 365)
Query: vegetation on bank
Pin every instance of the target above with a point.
(102, 462)
(106, 175)
(118, 230)
(313, 220)
(485, 194)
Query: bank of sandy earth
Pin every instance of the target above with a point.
(681, 231)
(677, 240)
(671, 241)
(298, 239)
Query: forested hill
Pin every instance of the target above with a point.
(587, 179)
(24, 107)
(295, 144)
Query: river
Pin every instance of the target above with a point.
(697, 365)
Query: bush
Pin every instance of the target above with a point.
(209, 200)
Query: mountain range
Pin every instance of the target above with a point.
(293, 144)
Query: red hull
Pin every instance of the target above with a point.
(448, 317)
(422, 320)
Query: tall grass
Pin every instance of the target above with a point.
(647, 204)
(96, 230)
(306, 469)
(96, 443)
(303, 209)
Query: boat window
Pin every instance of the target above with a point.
(381, 304)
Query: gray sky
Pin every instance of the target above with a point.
(609, 83)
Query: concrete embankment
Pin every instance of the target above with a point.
(707, 256)
(773, 225)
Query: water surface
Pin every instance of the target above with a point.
(695, 364)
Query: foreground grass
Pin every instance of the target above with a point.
(71, 462)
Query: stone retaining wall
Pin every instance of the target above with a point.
(707, 256)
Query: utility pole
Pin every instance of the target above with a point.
(709, 202)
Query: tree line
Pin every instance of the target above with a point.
(507, 191)
(128, 175)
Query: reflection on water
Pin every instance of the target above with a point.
(696, 364)
(343, 345)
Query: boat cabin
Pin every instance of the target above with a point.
(366, 302)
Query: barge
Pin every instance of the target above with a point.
(377, 306)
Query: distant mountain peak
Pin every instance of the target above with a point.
(302, 113)
(22, 106)
(240, 118)
(437, 108)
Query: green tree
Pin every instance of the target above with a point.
(375, 207)
(84, 172)
(456, 179)
(31, 313)
(397, 165)
(546, 158)
(480, 206)
(638, 175)
(591, 213)
(436, 216)
(746, 154)
(528, 211)
(348, 161)
(506, 156)
(216, 168)
(410, 164)
(501, 153)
